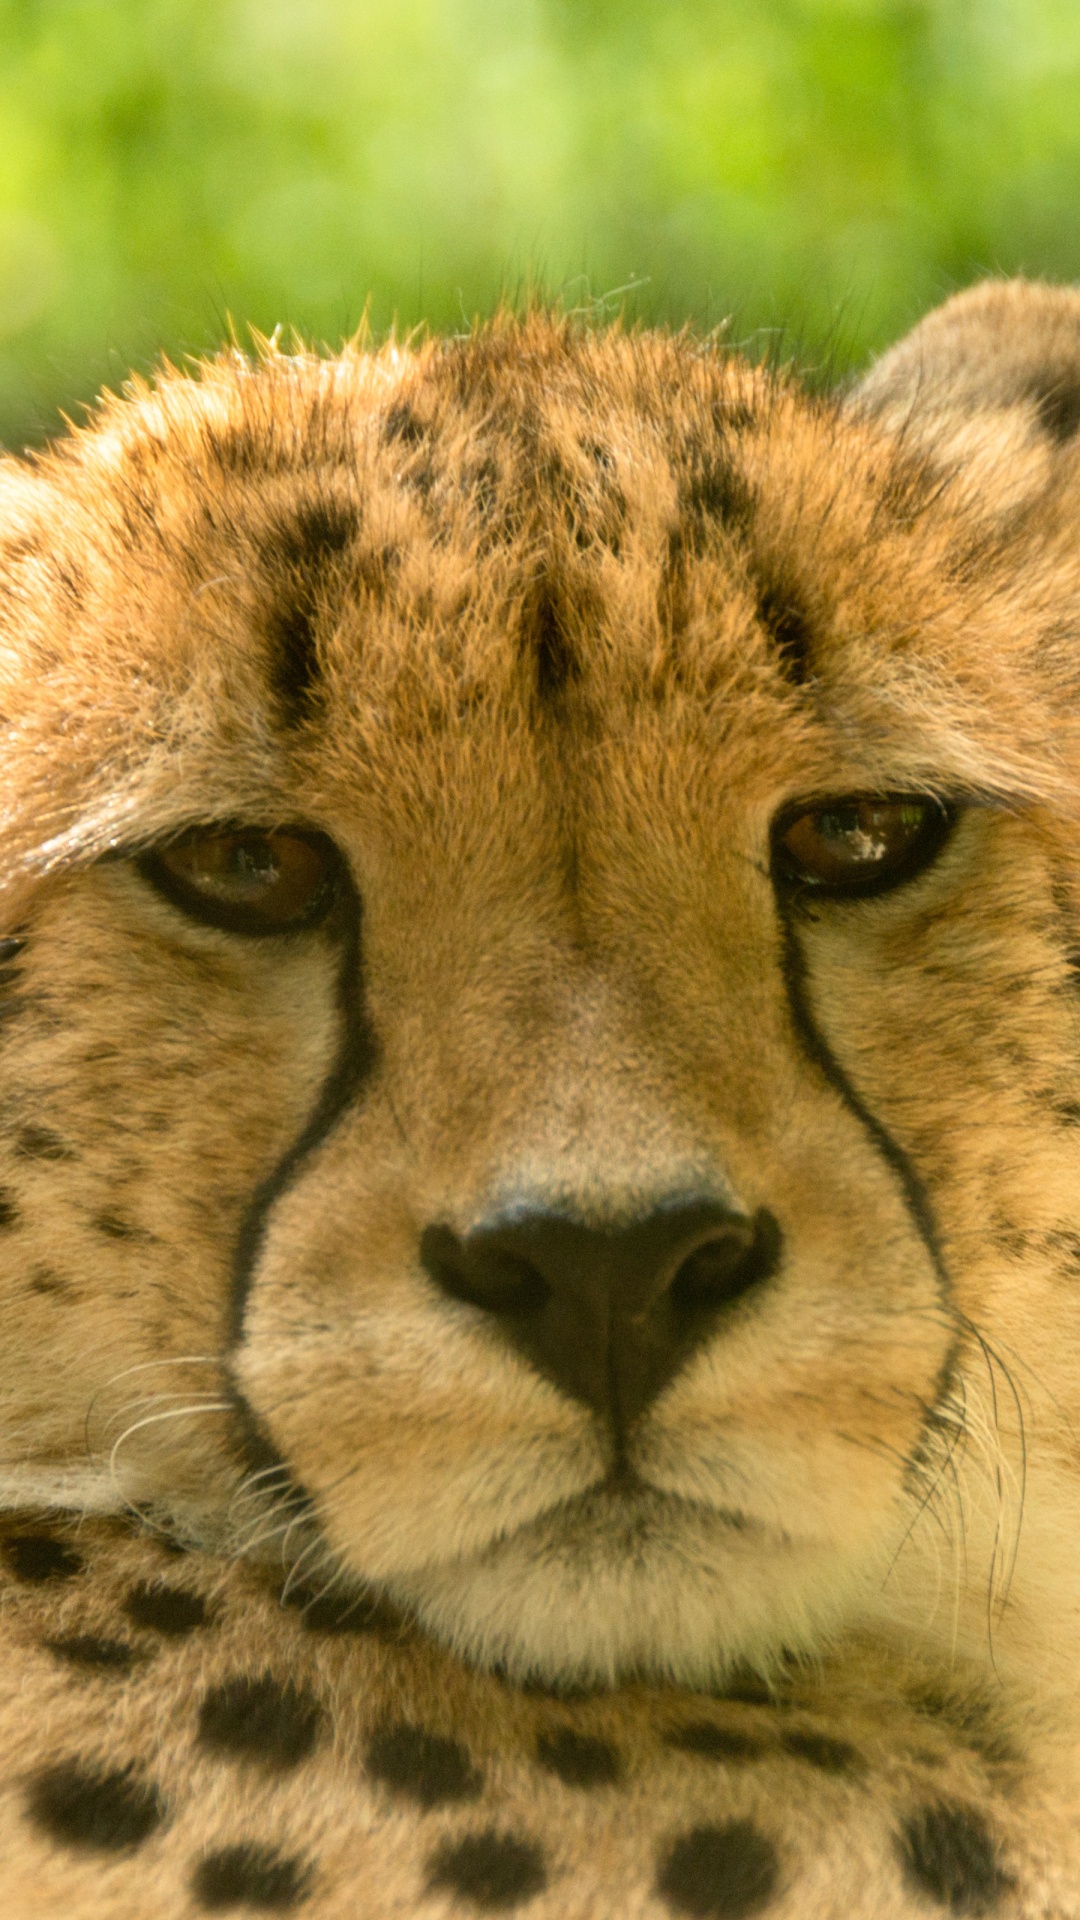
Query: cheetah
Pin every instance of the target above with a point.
(538, 1172)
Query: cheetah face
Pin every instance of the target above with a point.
(547, 971)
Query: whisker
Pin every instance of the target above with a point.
(203, 1401)
(250, 1493)
(143, 1366)
(155, 1419)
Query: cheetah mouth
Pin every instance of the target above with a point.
(621, 1581)
(620, 1525)
(624, 1495)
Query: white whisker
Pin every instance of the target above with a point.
(155, 1419)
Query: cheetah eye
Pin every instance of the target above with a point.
(860, 843)
(247, 879)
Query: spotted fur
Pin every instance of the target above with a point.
(544, 630)
(268, 1761)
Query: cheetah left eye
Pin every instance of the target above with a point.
(247, 879)
(860, 843)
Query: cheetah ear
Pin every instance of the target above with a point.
(988, 383)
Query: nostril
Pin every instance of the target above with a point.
(725, 1266)
(497, 1281)
(708, 1276)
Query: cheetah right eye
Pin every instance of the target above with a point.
(859, 844)
(247, 879)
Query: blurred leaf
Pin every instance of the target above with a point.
(826, 167)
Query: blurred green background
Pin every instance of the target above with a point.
(827, 166)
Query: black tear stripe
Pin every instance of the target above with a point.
(355, 1063)
(817, 1049)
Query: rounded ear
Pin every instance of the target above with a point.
(988, 383)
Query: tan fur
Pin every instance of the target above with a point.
(544, 629)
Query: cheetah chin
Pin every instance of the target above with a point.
(540, 1061)
(613, 1584)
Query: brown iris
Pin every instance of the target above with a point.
(247, 879)
(859, 843)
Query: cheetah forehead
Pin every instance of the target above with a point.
(230, 579)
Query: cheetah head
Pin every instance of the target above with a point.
(541, 1043)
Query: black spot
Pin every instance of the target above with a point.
(784, 618)
(260, 1720)
(716, 1743)
(37, 1556)
(250, 1877)
(718, 1873)
(402, 424)
(41, 1143)
(115, 1227)
(294, 668)
(494, 1870)
(831, 1756)
(578, 1760)
(169, 1610)
(947, 1852)
(9, 1212)
(46, 1280)
(345, 1613)
(314, 534)
(10, 949)
(304, 544)
(1067, 1111)
(421, 1766)
(717, 493)
(1058, 404)
(87, 1808)
(555, 661)
(96, 1655)
(747, 1690)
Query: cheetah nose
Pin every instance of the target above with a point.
(609, 1316)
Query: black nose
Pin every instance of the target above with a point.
(608, 1316)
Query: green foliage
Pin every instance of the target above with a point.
(829, 166)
